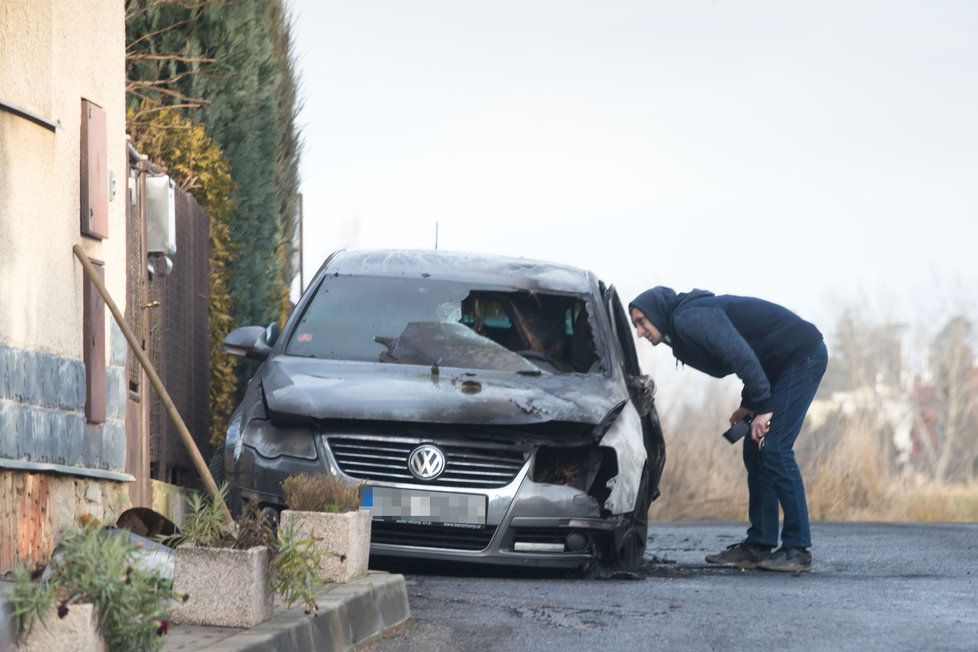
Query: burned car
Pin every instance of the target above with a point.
(493, 409)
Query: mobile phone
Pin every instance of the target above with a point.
(737, 431)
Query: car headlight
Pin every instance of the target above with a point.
(275, 441)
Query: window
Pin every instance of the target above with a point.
(449, 323)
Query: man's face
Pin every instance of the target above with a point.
(645, 328)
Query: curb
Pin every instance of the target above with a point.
(349, 615)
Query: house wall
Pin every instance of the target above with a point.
(54, 53)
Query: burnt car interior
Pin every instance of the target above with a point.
(444, 323)
(547, 328)
(587, 468)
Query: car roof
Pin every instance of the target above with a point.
(519, 273)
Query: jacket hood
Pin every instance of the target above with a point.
(304, 388)
(657, 305)
(660, 303)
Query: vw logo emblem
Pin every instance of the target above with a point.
(426, 462)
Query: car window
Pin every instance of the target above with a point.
(432, 321)
(623, 330)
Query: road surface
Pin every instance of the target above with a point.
(875, 586)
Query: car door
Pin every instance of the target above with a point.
(640, 388)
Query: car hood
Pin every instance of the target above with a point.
(304, 388)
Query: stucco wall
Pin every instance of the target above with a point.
(54, 53)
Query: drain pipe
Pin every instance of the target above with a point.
(154, 378)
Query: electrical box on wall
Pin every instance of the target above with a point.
(161, 215)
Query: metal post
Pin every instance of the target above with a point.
(302, 244)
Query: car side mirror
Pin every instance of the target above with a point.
(642, 390)
(248, 342)
(272, 332)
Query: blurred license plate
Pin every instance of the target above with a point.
(424, 507)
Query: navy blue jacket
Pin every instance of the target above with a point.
(726, 334)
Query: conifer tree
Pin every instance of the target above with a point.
(229, 65)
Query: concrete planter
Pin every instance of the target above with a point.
(227, 588)
(344, 540)
(76, 631)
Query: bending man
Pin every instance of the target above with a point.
(780, 358)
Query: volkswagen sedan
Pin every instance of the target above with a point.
(492, 408)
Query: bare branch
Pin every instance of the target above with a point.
(159, 107)
(133, 86)
(145, 98)
(170, 57)
(191, 6)
(145, 83)
(145, 37)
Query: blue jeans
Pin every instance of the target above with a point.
(772, 473)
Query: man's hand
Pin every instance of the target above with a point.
(739, 415)
(760, 426)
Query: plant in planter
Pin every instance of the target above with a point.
(296, 564)
(92, 582)
(328, 511)
(231, 573)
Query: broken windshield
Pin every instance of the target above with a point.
(435, 322)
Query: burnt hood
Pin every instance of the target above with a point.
(305, 388)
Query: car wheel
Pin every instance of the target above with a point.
(630, 551)
(628, 548)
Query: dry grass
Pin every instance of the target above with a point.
(845, 464)
(320, 493)
(704, 476)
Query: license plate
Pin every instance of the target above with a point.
(424, 507)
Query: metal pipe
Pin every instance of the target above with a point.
(171, 409)
(29, 115)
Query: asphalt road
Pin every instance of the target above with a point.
(874, 586)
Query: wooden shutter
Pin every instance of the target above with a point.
(94, 172)
(93, 327)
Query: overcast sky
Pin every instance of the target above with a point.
(801, 152)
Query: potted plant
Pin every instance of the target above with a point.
(328, 511)
(231, 573)
(91, 596)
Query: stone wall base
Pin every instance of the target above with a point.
(37, 508)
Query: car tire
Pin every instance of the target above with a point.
(628, 547)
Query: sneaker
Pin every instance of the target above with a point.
(788, 560)
(743, 555)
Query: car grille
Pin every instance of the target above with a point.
(431, 536)
(387, 460)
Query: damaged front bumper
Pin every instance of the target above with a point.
(526, 523)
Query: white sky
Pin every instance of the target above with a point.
(800, 152)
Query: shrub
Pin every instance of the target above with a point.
(32, 598)
(94, 565)
(296, 564)
(320, 493)
(205, 526)
(294, 560)
(199, 167)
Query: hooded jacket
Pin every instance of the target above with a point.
(725, 334)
